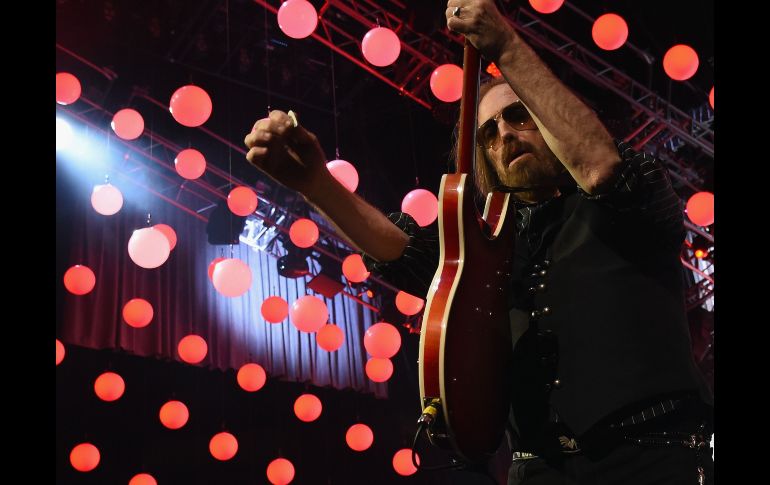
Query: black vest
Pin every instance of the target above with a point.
(599, 297)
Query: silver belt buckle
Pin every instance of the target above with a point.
(520, 455)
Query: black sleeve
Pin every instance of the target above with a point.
(414, 270)
(642, 188)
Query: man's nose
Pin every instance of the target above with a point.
(506, 132)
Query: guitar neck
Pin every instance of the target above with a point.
(468, 106)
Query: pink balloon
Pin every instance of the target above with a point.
(169, 232)
(128, 124)
(275, 309)
(190, 164)
(422, 205)
(84, 457)
(711, 97)
(330, 337)
(143, 479)
(67, 88)
(190, 106)
(610, 31)
(345, 173)
(79, 280)
(148, 247)
(308, 313)
(106, 199)
(408, 304)
(280, 471)
(680, 62)
(379, 370)
(297, 18)
(354, 269)
(303, 233)
(402, 460)
(192, 348)
(381, 46)
(382, 340)
(700, 208)
(174, 414)
(109, 386)
(307, 407)
(359, 437)
(212, 265)
(546, 6)
(242, 201)
(138, 313)
(446, 82)
(232, 277)
(59, 352)
(223, 446)
(251, 377)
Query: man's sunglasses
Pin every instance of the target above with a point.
(517, 117)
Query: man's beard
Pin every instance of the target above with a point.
(537, 170)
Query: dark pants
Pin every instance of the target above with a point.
(628, 464)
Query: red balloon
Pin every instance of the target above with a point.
(169, 232)
(128, 124)
(190, 106)
(232, 277)
(84, 457)
(148, 248)
(546, 6)
(275, 309)
(303, 233)
(59, 352)
(67, 88)
(192, 349)
(174, 414)
(280, 471)
(382, 340)
(106, 199)
(408, 304)
(610, 31)
(308, 313)
(242, 201)
(251, 377)
(143, 479)
(79, 280)
(297, 18)
(379, 370)
(190, 164)
(422, 205)
(700, 208)
(330, 337)
(711, 97)
(307, 407)
(138, 313)
(446, 82)
(402, 461)
(680, 62)
(213, 265)
(109, 386)
(381, 46)
(345, 173)
(223, 446)
(354, 269)
(359, 437)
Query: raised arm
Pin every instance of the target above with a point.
(293, 157)
(570, 128)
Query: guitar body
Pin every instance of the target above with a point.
(465, 340)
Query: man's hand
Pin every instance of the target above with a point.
(290, 155)
(482, 24)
